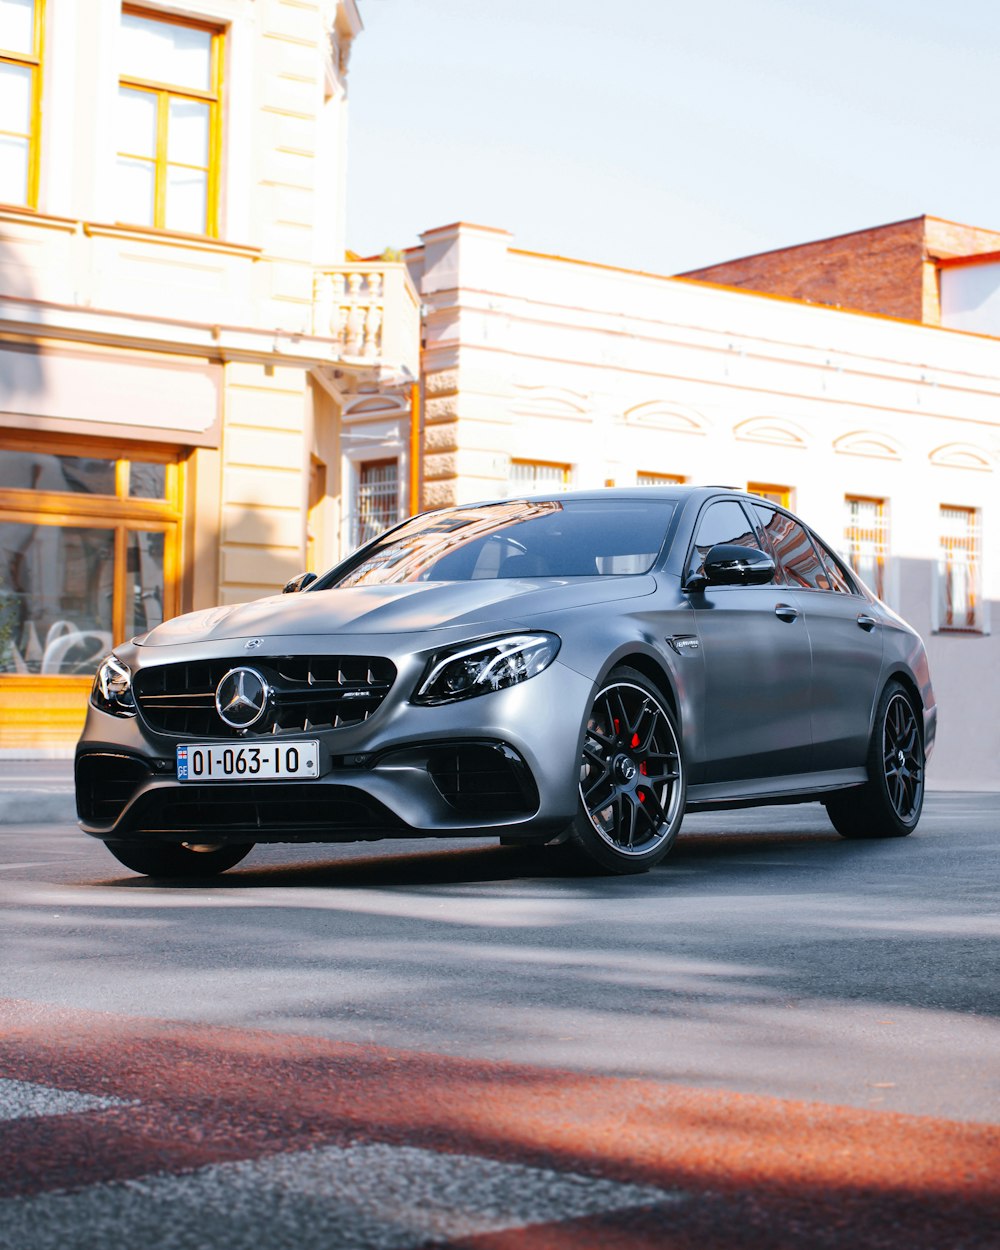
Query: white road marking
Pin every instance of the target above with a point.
(366, 1196)
(20, 1100)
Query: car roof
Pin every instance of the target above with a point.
(673, 491)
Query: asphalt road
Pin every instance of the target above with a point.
(772, 1002)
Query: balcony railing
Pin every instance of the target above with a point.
(372, 310)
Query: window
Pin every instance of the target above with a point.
(781, 495)
(722, 522)
(794, 550)
(88, 552)
(866, 540)
(168, 123)
(529, 476)
(377, 502)
(20, 96)
(959, 600)
(658, 479)
(519, 538)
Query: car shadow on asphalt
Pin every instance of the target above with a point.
(483, 864)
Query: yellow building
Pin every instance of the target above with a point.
(199, 397)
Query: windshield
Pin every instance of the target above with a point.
(519, 538)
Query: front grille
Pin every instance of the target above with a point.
(263, 813)
(483, 779)
(104, 785)
(310, 692)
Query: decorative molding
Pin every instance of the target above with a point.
(871, 443)
(660, 414)
(380, 405)
(775, 430)
(550, 401)
(962, 456)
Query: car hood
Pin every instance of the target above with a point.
(407, 608)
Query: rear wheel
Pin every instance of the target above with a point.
(178, 859)
(632, 779)
(889, 804)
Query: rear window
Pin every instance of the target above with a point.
(519, 538)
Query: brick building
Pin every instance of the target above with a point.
(897, 270)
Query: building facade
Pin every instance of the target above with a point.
(191, 374)
(541, 372)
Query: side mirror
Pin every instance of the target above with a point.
(299, 583)
(730, 564)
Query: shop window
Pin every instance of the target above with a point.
(866, 540)
(530, 476)
(88, 554)
(958, 592)
(781, 495)
(168, 121)
(377, 500)
(20, 99)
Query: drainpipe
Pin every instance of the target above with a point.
(414, 448)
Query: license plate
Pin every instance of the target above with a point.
(224, 761)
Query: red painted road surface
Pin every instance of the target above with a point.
(733, 1170)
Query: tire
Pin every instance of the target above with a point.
(179, 860)
(890, 802)
(632, 777)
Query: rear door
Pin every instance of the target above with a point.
(846, 638)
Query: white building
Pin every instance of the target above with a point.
(182, 340)
(883, 433)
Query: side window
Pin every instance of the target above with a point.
(721, 522)
(794, 551)
(840, 579)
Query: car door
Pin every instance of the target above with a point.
(846, 638)
(757, 665)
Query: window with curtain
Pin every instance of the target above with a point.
(529, 476)
(168, 123)
(959, 598)
(866, 540)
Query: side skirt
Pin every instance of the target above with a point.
(761, 791)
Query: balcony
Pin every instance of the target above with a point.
(372, 311)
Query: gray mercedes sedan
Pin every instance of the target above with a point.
(581, 668)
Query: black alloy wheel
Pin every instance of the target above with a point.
(889, 805)
(632, 778)
(178, 860)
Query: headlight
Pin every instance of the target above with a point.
(112, 690)
(485, 666)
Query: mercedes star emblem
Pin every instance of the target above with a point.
(242, 697)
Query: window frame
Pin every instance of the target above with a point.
(536, 487)
(164, 93)
(642, 478)
(880, 589)
(33, 61)
(976, 605)
(780, 496)
(120, 513)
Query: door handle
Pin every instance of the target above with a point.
(785, 612)
(866, 622)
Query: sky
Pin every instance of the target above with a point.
(665, 135)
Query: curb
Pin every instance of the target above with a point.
(24, 806)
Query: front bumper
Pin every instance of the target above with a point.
(504, 764)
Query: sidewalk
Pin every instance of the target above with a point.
(36, 792)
